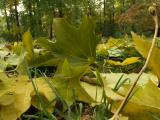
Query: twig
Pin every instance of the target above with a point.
(153, 12)
(90, 80)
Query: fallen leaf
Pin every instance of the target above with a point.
(127, 61)
(144, 104)
(113, 42)
(17, 95)
(67, 83)
(96, 92)
(111, 79)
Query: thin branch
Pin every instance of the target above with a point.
(155, 18)
(90, 80)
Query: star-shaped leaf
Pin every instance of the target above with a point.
(75, 44)
(67, 83)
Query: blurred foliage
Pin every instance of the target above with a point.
(113, 18)
(116, 55)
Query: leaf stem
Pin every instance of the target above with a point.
(122, 105)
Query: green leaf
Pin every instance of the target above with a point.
(67, 83)
(78, 45)
(71, 41)
(47, 44)
(45, 59)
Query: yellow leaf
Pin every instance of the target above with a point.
(27, 53)
(143, 47)
(27, 44)
(17, 48)
(18, 94)
(101, 49)
(96, 92)
(111, 79)
(6, 99)
(113, 42)
(127, 61)
(114, 62)
(144, 104)
(130, 60)
(46, 93)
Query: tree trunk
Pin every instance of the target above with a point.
(18, 35)
(133, 2)
(101, 24)
(104, 8)
(89, 9)
(60, 10)
(30, 13)
(104, 16)
(50, 32)
(16, 13)
(11, 15)
(113, 22)
(123, 6)
(7, 20)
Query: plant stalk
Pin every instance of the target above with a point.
(122, 105)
